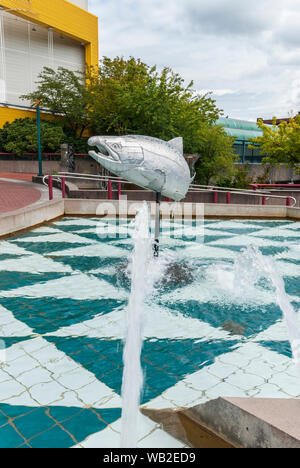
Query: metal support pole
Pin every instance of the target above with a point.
(50, 183)
(157, 225)
(228, 198)
(38, 123)
(63, 187)
(244, 152)
(109, 189)
(215, 197)
(288, 201)
(119, 190)
(263, 200)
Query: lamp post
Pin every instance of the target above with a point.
(38, 123)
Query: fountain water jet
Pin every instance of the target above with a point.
(133, 375)
(250, 267)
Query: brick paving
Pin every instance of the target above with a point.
(16, 176)
(15, 195)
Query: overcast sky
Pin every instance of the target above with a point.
(246, 52)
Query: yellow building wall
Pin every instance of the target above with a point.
(65, 18)
(9, 114)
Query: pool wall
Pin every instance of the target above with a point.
(31, 216)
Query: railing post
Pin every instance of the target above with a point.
(228, 198)
(288, 201)
(215, 196)
(263, 200)
(119, 190)
(63, 187)
(109, 189)
(50, 183)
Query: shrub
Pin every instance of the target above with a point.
(20, 136)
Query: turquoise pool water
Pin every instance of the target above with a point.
(63, 298)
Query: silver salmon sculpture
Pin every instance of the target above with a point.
(145, 161)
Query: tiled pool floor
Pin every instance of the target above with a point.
(62, 322)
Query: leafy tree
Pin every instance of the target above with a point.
(131, 97)
(65, 93)
(21, 136)
(3, 139)
(217, 158)
(281, 143)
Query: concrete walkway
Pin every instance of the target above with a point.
(16, 176)
(17, 192)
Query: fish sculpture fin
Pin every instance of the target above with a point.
(177, 143)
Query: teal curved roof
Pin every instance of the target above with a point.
(240, 129)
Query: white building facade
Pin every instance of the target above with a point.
(25, 48)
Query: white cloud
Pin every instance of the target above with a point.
(247, 53)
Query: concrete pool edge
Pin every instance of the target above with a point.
(234, 423)
(34, 215)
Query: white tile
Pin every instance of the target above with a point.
(244, 381)
(67, 287)
(181, 394)
(201, 380)
(34, 264)
(287, 383)
(10, 389)
(62, 367)
(35, 376)
(69, 399)
(24, 399)
(15, 328)
(225, 390)
(60, 236)
(260, 368)
(47, 393)
(49, 354)
(95, 392)
(269, 391)
(221, 370)
(104, 439)
(144, 426)
(160, 402)
(35, 344)
(20, 365)
(76, 379)
(111, 401)
(160, 439)
(4, 376)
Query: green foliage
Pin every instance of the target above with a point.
(3, 139)
(129, 97)
(132, 98)
(281, 143)
(217, 158)
(21, 136)
(65, 93)
(241, 178)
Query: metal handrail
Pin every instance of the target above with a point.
(50, 185)
(71, 175)
(236, 192)
(194, 188)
